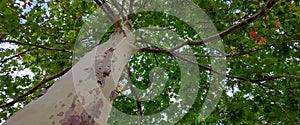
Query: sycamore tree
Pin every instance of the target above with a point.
(128, 61)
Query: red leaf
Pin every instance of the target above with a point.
(253, 34)
(260, 41)
(24, 6)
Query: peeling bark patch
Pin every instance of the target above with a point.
(103, 64)
(94, 109)
(96, 90)
(51, 117)
(60, 114)
(73, 104)
(105, 74)
(113, 95)
(69, 95)
(71, 118)
(80, 120)
(100, 81)
(111, 50)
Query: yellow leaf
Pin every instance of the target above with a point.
(267, 17)
(118, 88)
(277, 23)
(232, 47)
(247, 55)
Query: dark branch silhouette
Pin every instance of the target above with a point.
(35, 45)
(106, 9)
(243, 23)
(14, 56)
(161, 51)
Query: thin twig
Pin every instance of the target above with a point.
(35, 88)
(123, 7)
(35, 45)
(243, 23)
(258, 81)
(139, 103)
(119, 8)
(231, 55)
(143, 5)
(14, 56)
(213, 71)
(238, 77)
(279, 106)
(159, 29)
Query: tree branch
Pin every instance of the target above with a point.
(243, 23)
(131, 3)
(231, 55)
(143, 5)
(119, 8)
(161, 51)
(272, 100)
(45, 80)
(138, 102)
(20, 54)
(106, 9)
(35, 45)
(238, 77)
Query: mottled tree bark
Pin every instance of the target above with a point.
(63, 105)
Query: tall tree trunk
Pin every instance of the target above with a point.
(77, 99)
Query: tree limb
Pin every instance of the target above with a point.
(14, 56)
(258, 81)
(213, 71)
(231, 55)
(119, 8)
(45, 80)
(143, 5)
(138, 101)
(106, 9)
(131, 3)
(35, 45)
(272, 100)
(267, 7)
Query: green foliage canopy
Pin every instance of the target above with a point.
(263, 80)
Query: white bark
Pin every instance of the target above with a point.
(62, 104)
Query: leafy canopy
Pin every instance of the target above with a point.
(37, 40)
